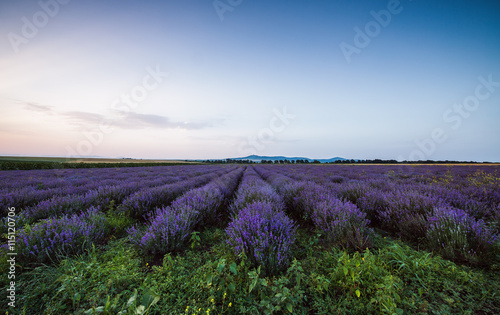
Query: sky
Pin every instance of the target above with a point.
(193, 79)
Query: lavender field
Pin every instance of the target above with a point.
(258, 239)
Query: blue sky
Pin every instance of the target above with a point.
(402, 80)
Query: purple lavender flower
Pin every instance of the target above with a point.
(53, 239)
(264, 235)
(456, 235)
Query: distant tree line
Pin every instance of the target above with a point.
(229, 161)
(31, 165)
(290, 162)
(379, 161)
(352, 161)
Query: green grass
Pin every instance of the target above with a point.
(391, 278)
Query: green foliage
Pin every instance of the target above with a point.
(282, 295)
(131, 307)
(397, 279)
(366, 279)
(195, 239)
(390, 278)
(80, 283)
(117, 222)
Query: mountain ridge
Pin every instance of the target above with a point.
(259, 158)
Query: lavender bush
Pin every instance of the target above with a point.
(167, 231)
(403, 212)
(264, 235)
(253, 189)
(57, 206)
(295, 206)
(352, 190)
(98, 194)
(342, 223)
(460, 199)
(52, 239)
(458, 236)
(309, 194)
(140, 204)
(170, 226)
(228, 183)
(203, 202)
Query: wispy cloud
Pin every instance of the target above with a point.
(133, 120)
(82, 118)
(38, 108)
(35, 107)
(120, 119)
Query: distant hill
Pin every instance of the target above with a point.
(259, 158)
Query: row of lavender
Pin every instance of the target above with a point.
(454, 213)
(313, 204)
(136, 194)
(43, 185)
(168, 228)
(72, 227)
(259, 229)
(446, 211)
(475, 187)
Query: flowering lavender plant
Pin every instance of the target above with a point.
(52, 239)
(253, 189)
(403, 211)
(456, 235)
(342, 222)
(168, 231)
(140, 204)
(170, 226)
(352, 190)
(203, 203)
(264, 235)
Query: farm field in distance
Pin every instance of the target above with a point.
(252, 239)
(28, 163)
(83, 160)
